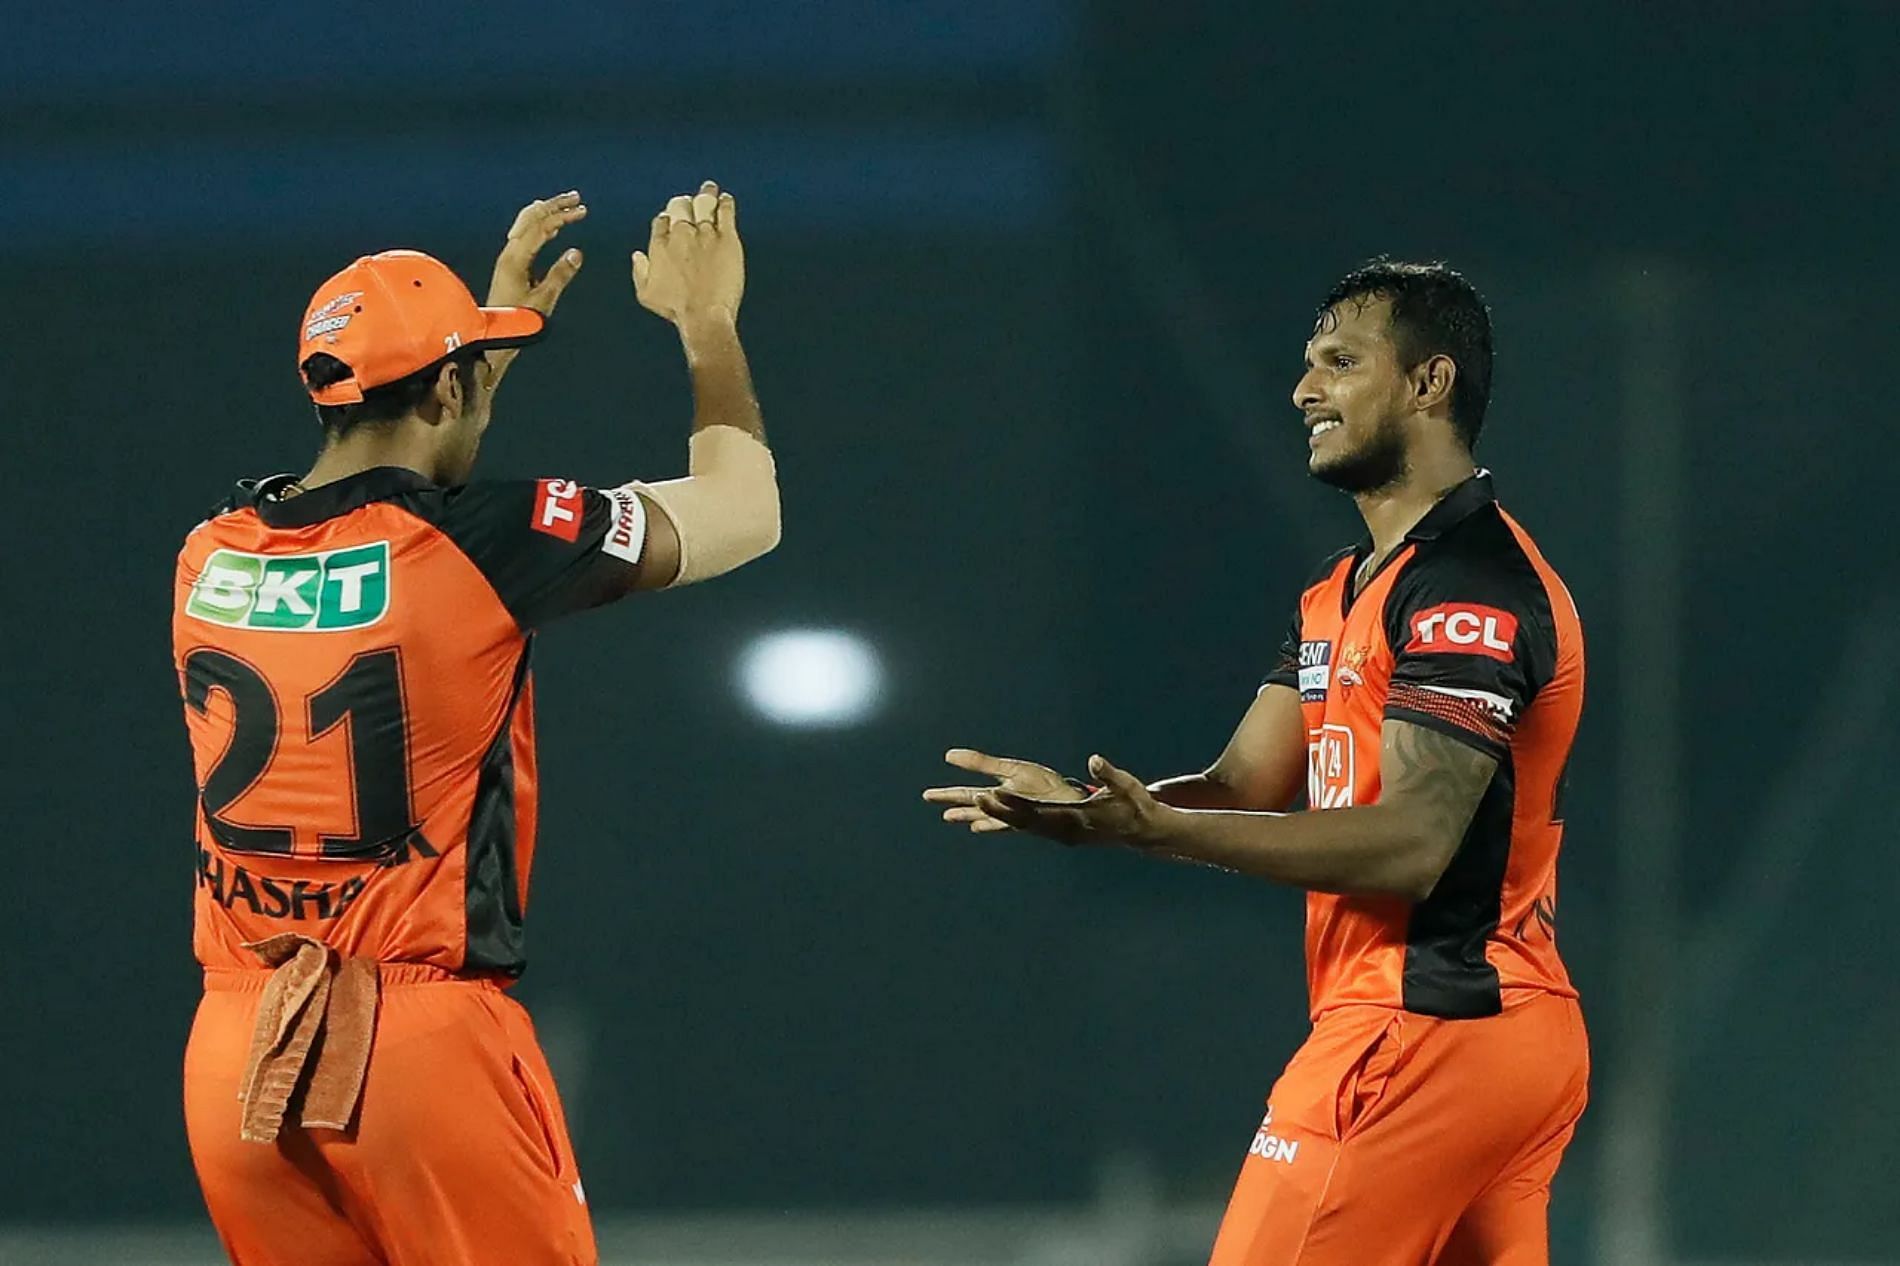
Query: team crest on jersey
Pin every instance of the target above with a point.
(1329, 767)
(1316, 666)
(294, 593)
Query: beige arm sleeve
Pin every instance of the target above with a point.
(725, 511)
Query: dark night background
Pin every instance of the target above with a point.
(1028, 284)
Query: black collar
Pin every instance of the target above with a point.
(1463, 501)
(325, 501)
(1457, 505)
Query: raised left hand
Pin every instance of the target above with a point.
(513, 284)
(1123, 811)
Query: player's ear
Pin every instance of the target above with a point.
(1432, 382)
(448, 393)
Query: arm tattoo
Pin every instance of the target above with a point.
(1433, 775)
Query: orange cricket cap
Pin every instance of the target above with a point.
(391, 315)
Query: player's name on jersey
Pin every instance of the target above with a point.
(273, 898)
(336, 589)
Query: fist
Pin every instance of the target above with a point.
(693, 266)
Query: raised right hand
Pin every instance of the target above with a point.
(693, 266)
(1025, 778)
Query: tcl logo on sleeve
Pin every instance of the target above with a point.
(1464, 628)
(557, 508)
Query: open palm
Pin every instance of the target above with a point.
(1025, 778)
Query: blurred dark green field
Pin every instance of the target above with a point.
(1028, 285)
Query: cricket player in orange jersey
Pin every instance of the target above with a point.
(352, 647)
(1427, 694)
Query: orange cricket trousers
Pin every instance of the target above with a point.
(459, 1155)
(1395, 1139)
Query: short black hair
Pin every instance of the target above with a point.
(380, 406)
(1435, 312)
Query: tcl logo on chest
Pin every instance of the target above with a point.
(557, 508)
(1464, 628)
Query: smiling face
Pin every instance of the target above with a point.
(1356, 397)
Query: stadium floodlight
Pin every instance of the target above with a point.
(811, 678)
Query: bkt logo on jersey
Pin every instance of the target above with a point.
(294, 593)
(1329, 767)
(1316, 660)
(1464, 628)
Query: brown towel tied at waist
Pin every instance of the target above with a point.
(314, 1001)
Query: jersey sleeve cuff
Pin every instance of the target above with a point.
(1470, 727)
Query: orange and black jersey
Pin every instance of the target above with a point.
(1466, 630)
(354, 668)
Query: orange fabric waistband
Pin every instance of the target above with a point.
(254, 979)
